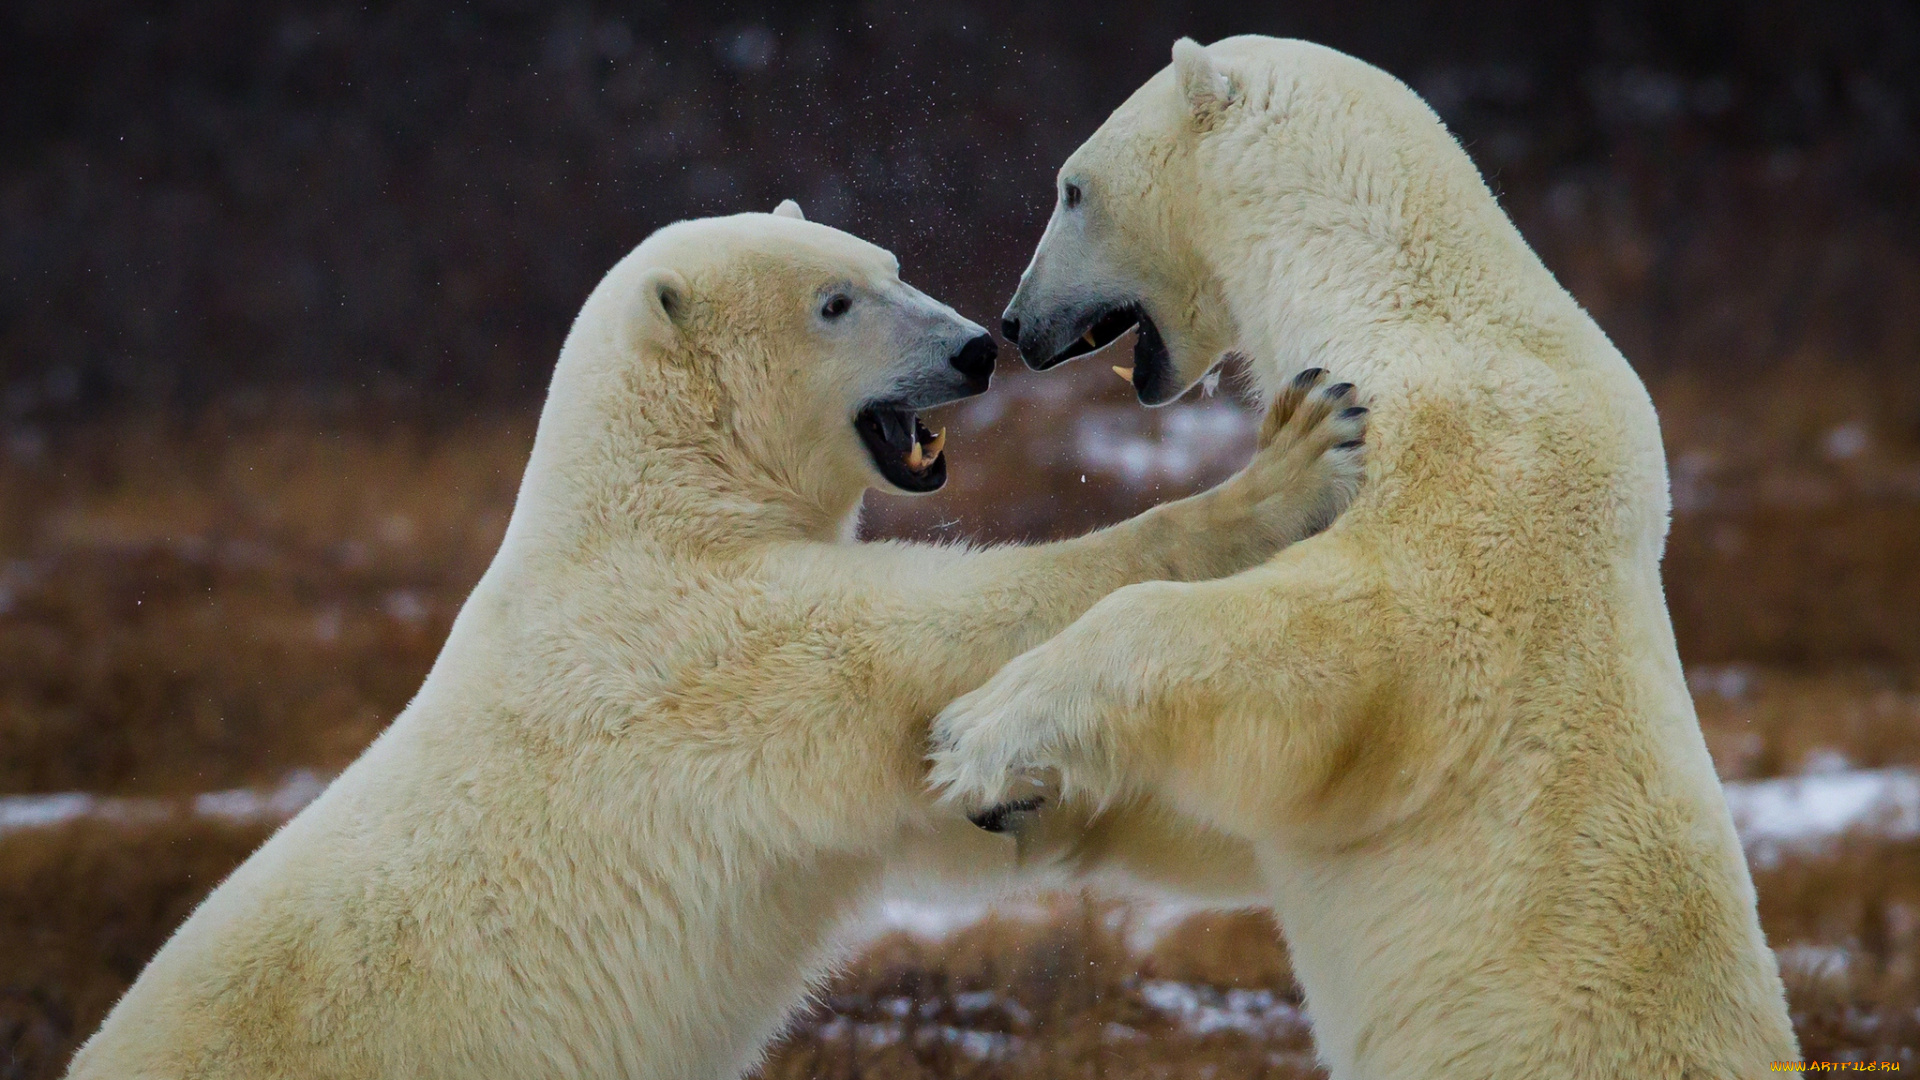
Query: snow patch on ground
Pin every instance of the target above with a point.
(250, 804)
(984, 1045)
(240, 805)
(1190, 440)
(1795, 813)
(1203, 1010)
(984, 1024)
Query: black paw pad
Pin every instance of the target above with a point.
(994, 818)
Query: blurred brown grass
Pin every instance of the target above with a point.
(185, 610)
(188, 606)
(82, 908)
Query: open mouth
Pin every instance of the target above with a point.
(909, 456)
(1101, 331)
(1150, 373)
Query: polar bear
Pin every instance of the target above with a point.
(1453, 726)
(677, 732)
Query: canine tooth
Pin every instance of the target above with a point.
(914, 457)
(937, 444)
(1124, 372)
(1088, 338)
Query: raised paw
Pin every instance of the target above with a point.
(989, 746)
(1314, 422)
(1311, 459)
(979, 764)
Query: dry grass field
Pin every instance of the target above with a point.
(194, 607)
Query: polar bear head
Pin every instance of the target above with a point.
(1119, 251)
(779, 352)
(1242, 177)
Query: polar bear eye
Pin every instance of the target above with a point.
(1073, 195)
(836, 306)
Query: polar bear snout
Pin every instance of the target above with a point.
(940, 373)
(975, 361)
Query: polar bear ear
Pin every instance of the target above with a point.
(662, 307)
(789, 208)
(1207, 89)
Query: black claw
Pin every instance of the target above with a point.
(1339, 390)
(994, 818)
(1350, 444)
(1352, 411)
(1308, 377)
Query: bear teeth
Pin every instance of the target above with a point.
(920, 457)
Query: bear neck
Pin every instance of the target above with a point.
(615, 462)
(1403, 274)
(1397, 241)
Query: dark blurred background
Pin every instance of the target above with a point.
(281, 285)
(197, 199)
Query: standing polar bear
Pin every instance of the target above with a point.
(1454, 726)
(677, 732)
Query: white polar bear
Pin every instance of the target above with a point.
(677, 732)
(1453, 726)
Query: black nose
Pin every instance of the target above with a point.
(975, 360)
(1010, 329)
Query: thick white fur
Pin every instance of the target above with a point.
(676, 734)
(1453, 726)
